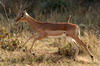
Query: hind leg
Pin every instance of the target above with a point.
(75, 48)
(80, 42)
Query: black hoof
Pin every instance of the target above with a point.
(74, 59)
(33, 54)
(23, 50)
(92, 57)
(19, 47)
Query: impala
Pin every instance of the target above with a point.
(45, 29)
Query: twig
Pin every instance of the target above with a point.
(4, 10)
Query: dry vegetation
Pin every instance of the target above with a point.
(49, 51)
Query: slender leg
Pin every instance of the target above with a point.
(32, 44)
(74, 46)
(38, 37)
(64, 39)
(28, 40)
(82, 44)
(59, 40)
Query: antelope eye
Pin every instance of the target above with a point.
(22, 15)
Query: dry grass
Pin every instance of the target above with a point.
(12, 36)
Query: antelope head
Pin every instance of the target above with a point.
(22, 15)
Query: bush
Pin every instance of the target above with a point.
(8, 41)
(65, 50)
(54, 5)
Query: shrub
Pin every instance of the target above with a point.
(53, 5)
(8, 41)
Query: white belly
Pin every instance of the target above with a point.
(59, 36)
(56, 34)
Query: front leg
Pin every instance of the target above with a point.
(28, 40)
(38, 37)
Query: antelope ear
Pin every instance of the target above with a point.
(25, 12)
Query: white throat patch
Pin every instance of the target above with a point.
(58, 36)
(26, 14)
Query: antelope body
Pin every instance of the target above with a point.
(71, 31)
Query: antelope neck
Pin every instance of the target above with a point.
(34, 24)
